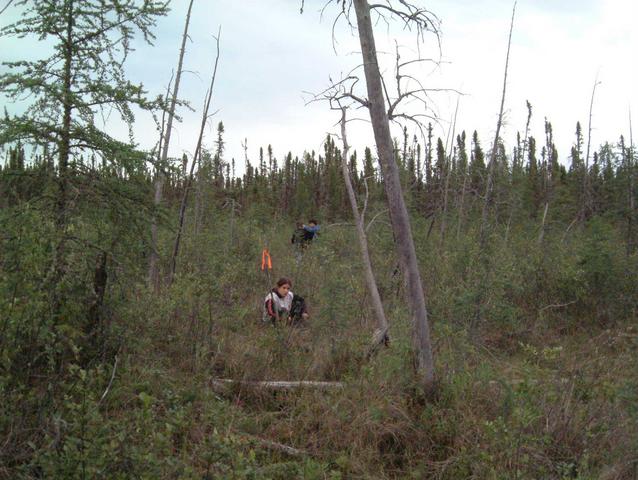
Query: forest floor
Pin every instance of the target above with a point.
(558, 410)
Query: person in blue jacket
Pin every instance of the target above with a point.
(304, 234)
(311, 230)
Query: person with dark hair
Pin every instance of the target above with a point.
(311, 230)
(282, 305)
(303, 236)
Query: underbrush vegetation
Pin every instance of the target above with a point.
(132, 284)
(544, 388)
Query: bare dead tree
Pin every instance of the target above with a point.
(586, 202)
(421, 20)
(547, 179)
(631, 243)
(337, 95)
(484, 231)
(514, 197)
(526, 138)
(153, 270)
(461, 207)
(541, 232)
(384, 108)
(196, 155)
(381, 335)
(499, 123)
(198, 213)
(448, 160)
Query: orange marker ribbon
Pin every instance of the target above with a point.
(266, 261)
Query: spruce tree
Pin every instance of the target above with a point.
(85, 219)
(83, 76)
(477, 165)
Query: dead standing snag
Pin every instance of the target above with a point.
(421, 21)
(165, 139)
(196, 156)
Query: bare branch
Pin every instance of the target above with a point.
(413, 18)
(365, 203)
(375, 218)
(558, 305)
(279, 447)
(6, 6)
(337, 91)
(108, 387)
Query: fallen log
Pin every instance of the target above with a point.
(279, 447)
(224, 383)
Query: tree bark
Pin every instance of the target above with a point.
(153, 269)
(381, 335)
(398, 212)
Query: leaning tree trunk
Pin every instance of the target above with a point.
(396, 205)
(153, 270)
(196, 156)
(484, 230)
(631, 244)
(381, 335)
(585, 207)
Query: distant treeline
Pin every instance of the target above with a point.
(437, 179)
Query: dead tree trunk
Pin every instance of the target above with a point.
(189, 179)
(515, 195)
(153, 269)
(199, 198)
(492, 165)
(586, 201)
(541, 234)
(461, 207)
(222, 384)
(398, 212)
(446, 188)
(381, 335)
(484, 231)
(631, 243)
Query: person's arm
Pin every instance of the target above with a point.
(310, 229)
(269, 308)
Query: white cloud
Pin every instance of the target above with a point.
(270, 54)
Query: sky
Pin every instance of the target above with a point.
(273, 58)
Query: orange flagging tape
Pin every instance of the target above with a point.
(266, 261)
